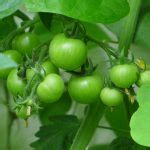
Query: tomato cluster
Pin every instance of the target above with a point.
(42, 81)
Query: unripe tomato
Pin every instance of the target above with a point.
(124, 75)
(111, 96)
(47, 68)
(67, 53)
(14, 55)
(144, 78)
(25, 43)
(22, 112)
(85, 89)
(51, 89)
(15, 84)
(55, 109)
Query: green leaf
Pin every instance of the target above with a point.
(140, 125)
(104, 11)
(143, 94)
(114, 118)
(124, 143)
(7, 7)
(6, 62)
(46, 19)
(140, 120)
(143, 33)
(8, 25)
(52, 109)
(58, 135)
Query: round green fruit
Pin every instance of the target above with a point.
(15, 56)
(15, 84)
(67, 53)
(124, 75)
(25, 43)
(51, 89)
(111, 97)
(85, 89)
(22, 112)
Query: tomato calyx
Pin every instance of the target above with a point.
(86, 69)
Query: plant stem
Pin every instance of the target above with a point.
(127, 36)
(88, 126)
(109, 128)
(129, 27)
(105, 47)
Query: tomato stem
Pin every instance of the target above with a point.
(103, 45)
(114, 129)
(129, 27)
(88, 126)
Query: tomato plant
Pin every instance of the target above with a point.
(80, 67)
(67, 53)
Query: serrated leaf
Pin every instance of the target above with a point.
(58, 135)
(104, 11)
(6, 62)
(8, 7)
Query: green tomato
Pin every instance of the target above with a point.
(15, 56)
(15, 84)
(67, 53)
(85, 89)
(22, 112)
(144, 78)
(111, 97)
(25, 43)
(51, 89)
(47, 68)
(124, 75)
(55, 109)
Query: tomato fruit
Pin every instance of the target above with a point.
(111, 96)
(85, 89)
(124, 75)
(22, 112)
(47, 68)
(25, 43)
(51, 89)
(144, 78)
(15, 84)
(67, 53)
(55, 109)
(14, 55)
